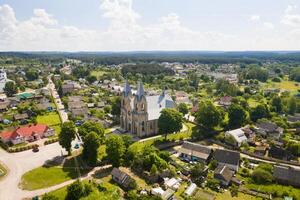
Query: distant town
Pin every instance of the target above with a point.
(150, 125)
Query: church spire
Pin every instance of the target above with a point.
(140, 90)
(127, 89)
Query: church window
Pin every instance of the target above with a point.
(143, 126)
(143, 107)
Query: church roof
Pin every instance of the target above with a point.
(127, 88)
(140, 91)
(157, 103)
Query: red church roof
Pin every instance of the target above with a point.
(25, 131)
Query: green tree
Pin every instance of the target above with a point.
(49, 197)
(208, 115)
(32, 74)
(169, 121)
(276, 103)
(115, 150)
(91, 79)
(90, 148)
(263, 174)
(259, 112)
(183, 108)
(66, 135)
(237, 116)
(10, 88)
(116, 106)
(90, 126)
(75, 191)
(292, 105)
(198, 173)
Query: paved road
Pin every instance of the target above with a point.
(59, 105)
(19, 163)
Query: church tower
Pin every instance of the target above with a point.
(140, 111)
(126, 112)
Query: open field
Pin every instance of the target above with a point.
(50, 174)
(241, 196)
(283, 85)
(97, 73)
(51, 119)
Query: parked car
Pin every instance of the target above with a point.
(77, 146)
(35, 149)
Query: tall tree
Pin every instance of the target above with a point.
(90, 148)
(169, 121)
(259, 112)
(90, 126)
(183, 108)
(276, 103)
(208, 115)
(237, 116)
(292, 105)
(10, 88)
(115, 150)
(66, 135)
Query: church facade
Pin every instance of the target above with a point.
(140, 113)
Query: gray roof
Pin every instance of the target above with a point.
(228, 157)
(287, 174)
(127, 88)
(157, 103)
(140, 91)
(194, 149)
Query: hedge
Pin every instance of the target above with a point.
(50, 141)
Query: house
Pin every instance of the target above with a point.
(260, 150)
(13, 101)
(172, 183)
(229, 158)
(269, 129)
(182, 97)
(69, 86)
(4, 104)
(77, 107)
(238, 135)
(225, 101)
(194, 152)
(44, 106)
(223, 174)
(293, 118)
(120, 177)
(190, 190)
(22, 116)
(3, 80)
(140, 112)
(27, 133)
(279, 153)
(287, 175)
(163, 194)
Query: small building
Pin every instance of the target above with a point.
(238, 135)
(287, 175)
(225, 101)
(190, 190)
(4, 105)
(22, 116)
(69, 87)
(121, 178)
(223, 174)
(101, 104)
(260, 150)
(195, 152)
(163, 194)
(279, 153)
(269, 129)
(229, 158)
(172, 183)
(27, 133)
(182, 97)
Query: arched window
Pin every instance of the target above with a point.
(143, 107)
(143, 126)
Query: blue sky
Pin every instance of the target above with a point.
(124, 25)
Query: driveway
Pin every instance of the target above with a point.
(19, 163)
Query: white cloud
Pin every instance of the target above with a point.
(290, 8)
(254, 18)
(125, 32)
(268, 25)
(289, 18)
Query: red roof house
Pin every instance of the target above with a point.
(27, 133)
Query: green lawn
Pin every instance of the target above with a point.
(274, 188)
(112, 191)
(97, 73)
(50, 175)
(51, 119)
(284, 85)
(2, 171)
(241, 196)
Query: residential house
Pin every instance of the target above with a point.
(69, 86)
(190, 190)
(238, 135)
(22, 116)
(4, 104)
(27, 133)
(223, 174)
(225, 101)
(260, 150)
(13, 101)
(269, 129)
(287, 175)
(195, 152)
(227, 157)
(182, 97)
(279, 153)
(172, 183)
(163, 194)
(121, 178)
(77, 107)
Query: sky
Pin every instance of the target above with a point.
(144, 25)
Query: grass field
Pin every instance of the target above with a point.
(97, 73)
(112, 191)
(51, 119)
(274, 188)
(51, 174)
(2, 171)
(241, 196)
(284, 85)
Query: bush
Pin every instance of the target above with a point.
(261, 176)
